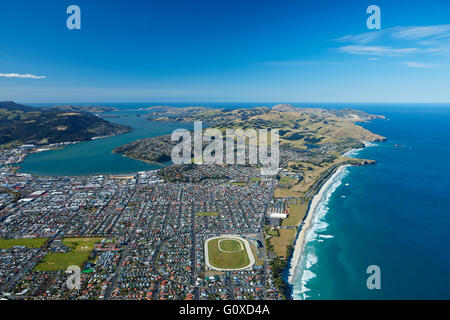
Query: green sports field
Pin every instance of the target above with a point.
(207, 214)
(227, 253)
(28, 242)
(80, 251)
(230, 245)
(60, 261)
(81, 244)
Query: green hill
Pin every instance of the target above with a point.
(25, 124)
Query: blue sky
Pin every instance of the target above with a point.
(225, 50)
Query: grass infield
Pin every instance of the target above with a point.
(207, 214)
(230, 245)
(226, 253)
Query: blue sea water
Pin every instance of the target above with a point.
(395, 214)
(95, 156)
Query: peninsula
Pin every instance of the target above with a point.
(313, 143)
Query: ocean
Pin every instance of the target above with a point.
(395, 214)
(95, 156)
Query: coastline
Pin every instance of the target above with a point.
(308, 223)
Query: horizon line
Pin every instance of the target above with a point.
(218, 102)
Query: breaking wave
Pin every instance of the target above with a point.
(313, 236)
(354, 152)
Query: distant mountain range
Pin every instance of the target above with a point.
(351, 114)
(88, 109)
(25, 124)
(215, 116)
(313, 135)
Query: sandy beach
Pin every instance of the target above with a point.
(300, 241)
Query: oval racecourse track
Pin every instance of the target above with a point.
(228, 252)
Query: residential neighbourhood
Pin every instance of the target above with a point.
(146, 235)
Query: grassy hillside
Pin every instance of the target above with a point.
(306, 134)
(24, 124)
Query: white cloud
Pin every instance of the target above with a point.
(400, 33)
(361, 38)
(421, 32)
(414, 64)
(398, 41)
(17, 75)
(377, 50)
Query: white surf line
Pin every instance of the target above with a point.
(300, 242)
(301, 236)
(353, 152)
